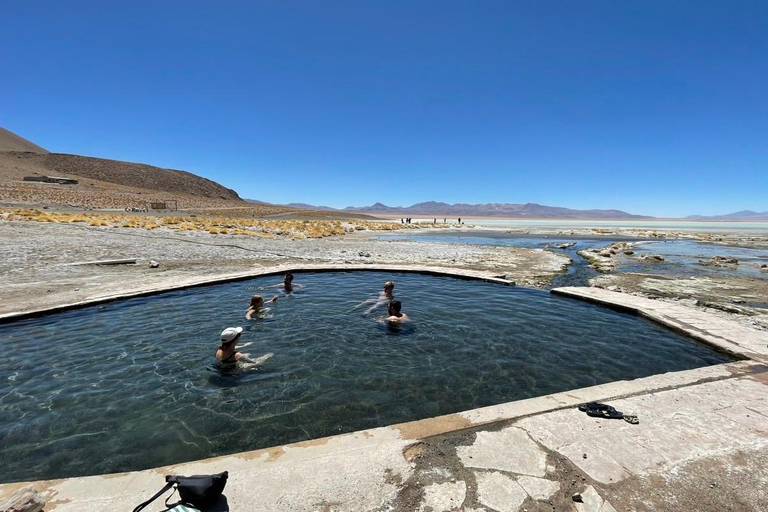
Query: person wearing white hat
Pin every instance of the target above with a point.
(227, 352)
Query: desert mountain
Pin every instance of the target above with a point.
(529, 210)
(9, 141)
(741, 215)
(102, 183)
(135, 175)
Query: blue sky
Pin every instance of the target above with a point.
(653, 107)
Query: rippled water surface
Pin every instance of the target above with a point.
(134, 384)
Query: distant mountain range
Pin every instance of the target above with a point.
(437, 209)
(742, 215)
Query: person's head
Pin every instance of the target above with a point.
(394, 308)
(389, 286)
(230, 336)
(257, 301)
(288, 278)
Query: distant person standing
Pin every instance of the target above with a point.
(459, 220)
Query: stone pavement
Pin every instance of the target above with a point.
(701, 444)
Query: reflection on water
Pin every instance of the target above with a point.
(133, 384)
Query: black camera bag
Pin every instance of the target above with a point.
(198, 491)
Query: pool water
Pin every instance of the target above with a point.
(134, 384)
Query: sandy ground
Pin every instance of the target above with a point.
(37, 272)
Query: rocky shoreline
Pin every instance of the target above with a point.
(39, 269)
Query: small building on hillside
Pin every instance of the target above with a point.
(52, 179)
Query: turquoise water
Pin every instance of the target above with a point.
(133, 384)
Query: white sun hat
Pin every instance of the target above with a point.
(230, 333)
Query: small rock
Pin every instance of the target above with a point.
(153, 264)
(652, 257)
(584, 456)
(77, 289)
(577, 498)
(629, 252)
(720, 261)
(364, 254)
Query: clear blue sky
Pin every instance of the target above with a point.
(654, 107)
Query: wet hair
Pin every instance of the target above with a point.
(255, 299)
(389, 284)
(289, 277)
(396, 305)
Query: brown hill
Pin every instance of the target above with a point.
(106, 183)
(9, 141)
(134, 175)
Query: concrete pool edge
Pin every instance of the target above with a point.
(479, 275)
(130, 488)
(724, 335)
(124, 490)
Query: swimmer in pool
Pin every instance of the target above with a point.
(395, 313)
(257, 302)
(287, 285)
(385, 296)
(227, 352)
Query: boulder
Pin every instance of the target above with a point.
(652, 257)
(720, 261)
(153, 264)
(26, 499)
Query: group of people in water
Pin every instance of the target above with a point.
(228, 354)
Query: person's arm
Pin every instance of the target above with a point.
(376, 304)
(367, 301)
(249, 314)
(246, 344)
(273, 299)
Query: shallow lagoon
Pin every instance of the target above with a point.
(133, 384)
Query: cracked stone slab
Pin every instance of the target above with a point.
(538, 488)
(499, 492)
(592, 501)
(444, 497)
(510, 449)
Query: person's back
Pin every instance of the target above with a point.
(227, 352)
(395, 312)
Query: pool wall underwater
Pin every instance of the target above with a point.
(457, 421)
